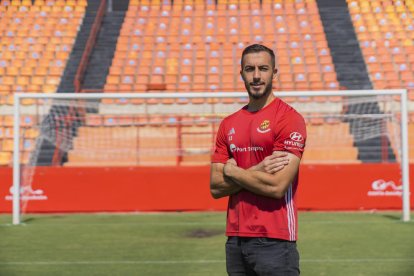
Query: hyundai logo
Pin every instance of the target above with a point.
(296, 136)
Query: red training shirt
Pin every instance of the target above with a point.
(249, 137)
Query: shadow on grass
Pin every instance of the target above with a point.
(28, 220)
(395, 217)
(203, 233)
(39, 218)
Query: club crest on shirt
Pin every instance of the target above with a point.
(264, 127)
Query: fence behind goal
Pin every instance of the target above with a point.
(178, 129)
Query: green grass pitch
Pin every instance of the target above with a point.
(335, 243)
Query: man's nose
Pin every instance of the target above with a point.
(256, 75)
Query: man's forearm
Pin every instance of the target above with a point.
(263, 183)
(258, 182)
(272, 163)
(259, 179)
(225, 188)
(221, 185)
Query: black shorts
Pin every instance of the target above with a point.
(261, 256)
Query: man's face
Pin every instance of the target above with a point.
(257, 72)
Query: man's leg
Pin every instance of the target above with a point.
(273, 257)
(235, 260)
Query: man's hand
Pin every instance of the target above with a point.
(220, 184)
(227, 167)
(232, 161)
(273, 163)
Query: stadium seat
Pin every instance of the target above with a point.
(384, 30)
(320, 150)
(5, 158)
(37, 37)
(116, 140)
(196, 144)
(33, 42)
(207, 40)
(384, 34)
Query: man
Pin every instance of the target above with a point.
(256, 163)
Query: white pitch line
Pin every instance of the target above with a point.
(111, 262)
(380, 260)
(141, 224)
(166, 262)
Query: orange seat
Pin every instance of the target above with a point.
(5, 158)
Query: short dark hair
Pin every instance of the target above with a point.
(256, 48)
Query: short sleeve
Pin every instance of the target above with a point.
(220, 154)
(291, 134)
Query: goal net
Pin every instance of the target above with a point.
(178, 129)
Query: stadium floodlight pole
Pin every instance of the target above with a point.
(16, 160)
(400, 92)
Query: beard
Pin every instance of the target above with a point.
(267, 90)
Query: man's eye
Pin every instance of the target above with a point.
(264, 69)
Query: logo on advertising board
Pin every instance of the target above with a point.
(264, 127)
(27, 193)
(381, 187)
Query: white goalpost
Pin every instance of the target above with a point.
(349, 120)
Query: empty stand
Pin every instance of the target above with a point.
(196, 142)
(104, 143)
(36, 40)
(329, 149)
(27, 143)
(95, 151)
(116, 140)
(385, 32)
(197, 45)
(192, 46)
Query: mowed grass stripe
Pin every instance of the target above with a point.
(168, 262)
(213, 218)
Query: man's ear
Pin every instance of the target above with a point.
(275, 72)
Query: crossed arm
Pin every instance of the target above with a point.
(270, 178)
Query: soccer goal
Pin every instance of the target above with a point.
(178, 129)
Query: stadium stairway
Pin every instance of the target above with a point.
(343, 43)
(371, 150)
(352, 73)
(66, 84)
(47, 149)
(103, 52)
(97, 69)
